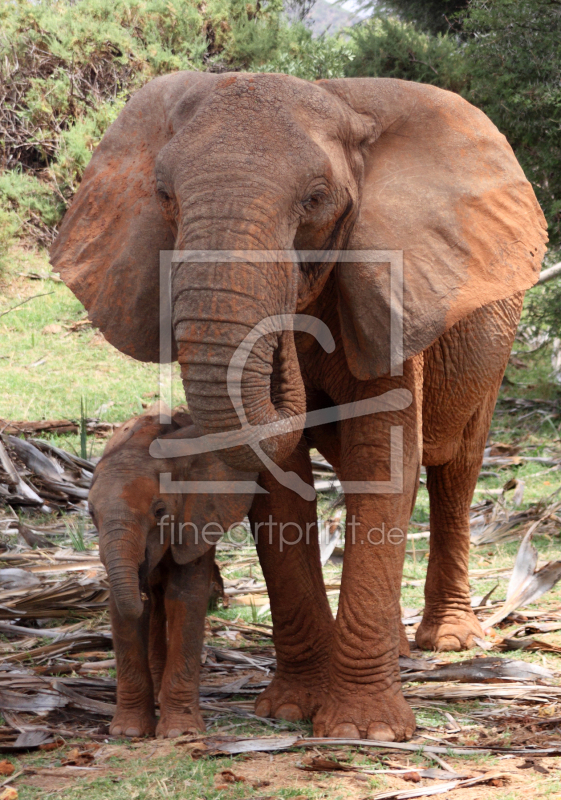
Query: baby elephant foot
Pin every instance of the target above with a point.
(173, 724)
(384, 716)
(453, 630)
(290, 698)
(129, 722)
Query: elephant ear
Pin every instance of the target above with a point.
(207, 516)
(108, 247)
(442, 185)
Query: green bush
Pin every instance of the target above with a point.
(506, 60)
(9, 226)
(300, 55)
(29, 208)
(67, 68)
(432, 16)
(389, 48)
(543, 308)
(514, 54)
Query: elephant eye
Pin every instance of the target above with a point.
(159, 511)
(312, 202)
(162, 191)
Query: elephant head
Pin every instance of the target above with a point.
(273, 163)
(139, 516)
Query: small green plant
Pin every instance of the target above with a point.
(83, 428)
(76, 529)
(254, 613)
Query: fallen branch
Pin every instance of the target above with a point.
(549, 273)
(268, 745)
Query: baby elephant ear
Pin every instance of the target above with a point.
(210, 511)
(108, 247)
(442, 186)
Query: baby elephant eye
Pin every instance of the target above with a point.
(159, 512)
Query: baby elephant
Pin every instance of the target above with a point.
(159, 571)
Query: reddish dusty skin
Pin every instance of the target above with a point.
(222, 162)
(303, 627)
(157, 635)
(186, 599)
(158, 640)
(135, 715)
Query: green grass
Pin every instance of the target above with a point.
(48, 375)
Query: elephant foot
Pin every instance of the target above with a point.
(133, 723)
(454, 630)
(173, 724)
(384, 716)
(290, 698)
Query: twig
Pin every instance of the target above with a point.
(12, 778)
(27, 299)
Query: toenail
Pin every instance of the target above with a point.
(447, 643)
(381, 732)
(263, 708)
(345, 730)
(289, 711)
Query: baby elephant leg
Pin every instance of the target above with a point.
(135, 694)
(157, 643)
(186, 600)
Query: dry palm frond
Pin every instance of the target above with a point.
(453, 692)
(527, 584)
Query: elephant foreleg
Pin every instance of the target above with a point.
(135, 694)
(285, 530)
(365, 698)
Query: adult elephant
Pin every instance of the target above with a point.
(270, 162)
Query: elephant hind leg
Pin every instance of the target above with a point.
(186, 599)
(448, 620)
(157, 640)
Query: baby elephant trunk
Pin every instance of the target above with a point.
(122, 556)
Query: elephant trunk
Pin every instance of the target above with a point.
(237, 368)
(122, 555)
